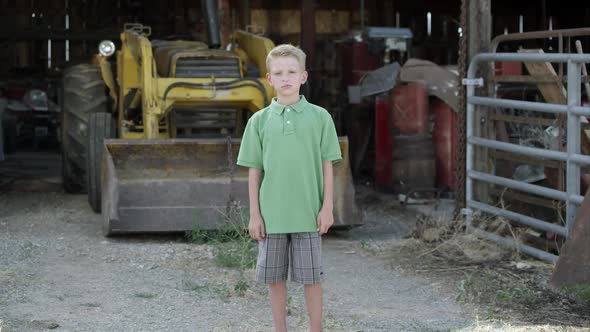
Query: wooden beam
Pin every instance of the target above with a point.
(479, 25)
(308, 33)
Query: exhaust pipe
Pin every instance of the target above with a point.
(210, 14)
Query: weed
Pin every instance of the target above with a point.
(146, 295)
(465, 288)
(223, 290)
(90, 305)
(233, 247)
(290, 307)
(193, 286)
(239, 255)
(513, 294)
(580, 292)
(241, 287)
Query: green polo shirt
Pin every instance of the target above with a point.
(289, 143)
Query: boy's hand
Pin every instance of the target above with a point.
(256, 227)
(325, 220)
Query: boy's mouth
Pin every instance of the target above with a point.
(286, 86)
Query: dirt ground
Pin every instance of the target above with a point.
(58, 272)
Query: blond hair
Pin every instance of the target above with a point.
(286, 50)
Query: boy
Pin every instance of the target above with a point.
(293, 143)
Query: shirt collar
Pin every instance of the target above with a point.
(299, 106)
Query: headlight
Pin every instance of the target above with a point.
(106, 48)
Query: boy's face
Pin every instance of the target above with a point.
(286, 76)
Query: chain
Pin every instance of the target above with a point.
(231, 165)
(462, 115)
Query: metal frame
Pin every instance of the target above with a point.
(572, 157)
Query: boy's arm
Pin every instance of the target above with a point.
(326, 217)
(256, 225)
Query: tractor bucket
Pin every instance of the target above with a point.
(175, 185)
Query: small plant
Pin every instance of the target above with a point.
(289, 306)
(223, 290)
(239, 255)
(580, 292)
(512, 294)
(146, 295)
(193, 286)
(465, 288)
(241, 287)
(232, 246)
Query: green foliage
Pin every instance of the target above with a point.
(232, 246)
(148, 296)
(580, 292)
(512, 294)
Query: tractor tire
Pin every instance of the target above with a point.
(84, 93)
(100, 126)
(10, 133)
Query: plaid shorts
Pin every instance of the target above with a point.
(299, 252)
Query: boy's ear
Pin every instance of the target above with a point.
(268, 78)
(304, 77)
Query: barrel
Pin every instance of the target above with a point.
(410, 109)
(383, 143)
(445, 142)
(413, 165)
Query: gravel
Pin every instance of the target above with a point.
(57, 272)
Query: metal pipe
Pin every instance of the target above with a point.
(518, 185)
(573, 156)
(532, 251)
(573, 141)
(525, 220)
(515, 148)
(530, 106)
(362, 14)
(584, 71)
(522, 105)
(579, 159)
(209, 9)
(529, 57)
(538, 35)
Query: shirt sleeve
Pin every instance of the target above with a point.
(250, 154)
(329, 145)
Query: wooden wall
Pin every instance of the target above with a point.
(280, 20)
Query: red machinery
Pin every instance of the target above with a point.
(445, 143)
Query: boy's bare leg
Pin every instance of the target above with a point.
(313, 300)
(278, 302)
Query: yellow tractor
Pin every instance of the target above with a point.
(158, 152)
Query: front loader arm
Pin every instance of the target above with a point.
(256, 47)
(141, 49)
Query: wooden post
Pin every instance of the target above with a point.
(308, 31)
(225, 28)
(245, 13)
(479, 25)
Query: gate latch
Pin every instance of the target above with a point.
(473, 81)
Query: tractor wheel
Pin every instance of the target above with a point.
(84, 94)
(10, 133)
(100, 126)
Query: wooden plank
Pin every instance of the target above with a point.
(479, 30)
(522, 119)
(553, 93)
(525, 198)
(502, 155)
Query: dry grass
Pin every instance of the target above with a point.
(504, 287)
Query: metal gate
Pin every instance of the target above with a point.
(572, 157)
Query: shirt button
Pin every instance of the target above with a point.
(288, 122)
(288, 110)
